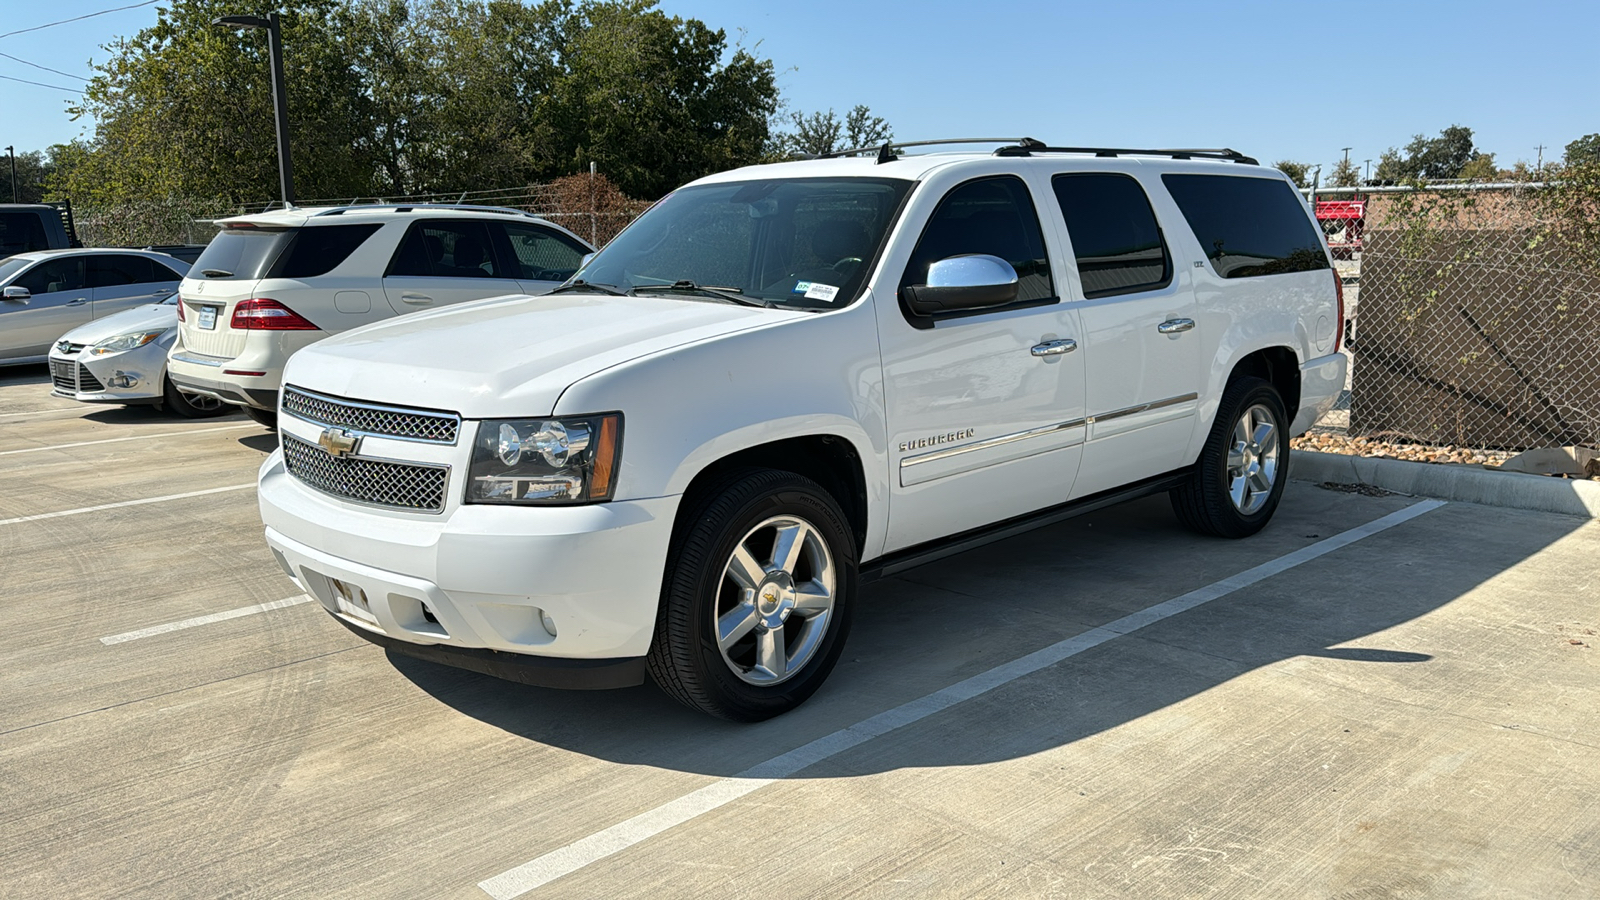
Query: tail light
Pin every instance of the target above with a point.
(1338, 322)
(180, 309)
(262, 314)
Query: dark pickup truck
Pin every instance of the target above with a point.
(25, 227)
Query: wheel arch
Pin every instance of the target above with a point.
(1277, 365)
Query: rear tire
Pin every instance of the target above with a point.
(758, 596)
(190, 406)
(265, 417)
(1238, 480)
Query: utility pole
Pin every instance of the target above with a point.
(1369, 169)
(1539, 167)
(1346, 156)
(12, 152)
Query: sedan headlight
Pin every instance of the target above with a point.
(566, 460)
(124, 342)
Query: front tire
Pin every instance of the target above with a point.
(758, 596)
(1238, 480)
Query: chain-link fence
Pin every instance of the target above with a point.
(587, 205)
(1475, 319)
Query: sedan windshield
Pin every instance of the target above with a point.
(801, 243)
(11, 267)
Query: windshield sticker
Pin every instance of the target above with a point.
(800, 287)
(823, 292)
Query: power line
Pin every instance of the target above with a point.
(43, 85)
(45, 68)
(76, 19)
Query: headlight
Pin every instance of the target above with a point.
(124, 342)
(568, 460)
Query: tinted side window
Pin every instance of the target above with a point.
(1114, 234)
(993, 216)
(114, 270)
(444, 249)
(61, 274)
(241, 253)
(542, 254)
(1248, 226)
(318, 250)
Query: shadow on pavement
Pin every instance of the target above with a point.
(916, 634)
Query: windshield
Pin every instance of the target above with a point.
(240, 253)
(11, 267)
(804, 243)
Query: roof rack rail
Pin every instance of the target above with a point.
(1224, 154)
(888, 152)
(407, 207)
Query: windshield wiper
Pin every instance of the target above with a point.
(581, 285)
(216, 273)
(730, 294)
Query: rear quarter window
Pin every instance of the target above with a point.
(1246, 226)
(318, 251)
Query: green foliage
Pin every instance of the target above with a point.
(1345, 174)
(1480, 167)
(34, 167)
(399, 97)
(1583, 151)
(1570, 204)
(1298, 172)
(1429, 159)
(822, 132)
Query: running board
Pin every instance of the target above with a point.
(921, 554)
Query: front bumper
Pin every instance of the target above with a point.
(133, 376)
(559, 596)
(1321, 383)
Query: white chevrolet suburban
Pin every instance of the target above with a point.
(785, 380)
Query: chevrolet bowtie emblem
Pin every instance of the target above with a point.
(339, 442)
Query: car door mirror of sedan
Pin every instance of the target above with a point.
(17, 294)
(969, 281)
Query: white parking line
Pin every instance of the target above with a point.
(137, 437)
(75, 410)
(206, 620)
(89, 509)
(547, 868)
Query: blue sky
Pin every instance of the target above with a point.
(1276, 80)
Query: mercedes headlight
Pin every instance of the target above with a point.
(571, 459)
(124, 342)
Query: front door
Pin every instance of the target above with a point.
(1140, 346)
(985, 412)
(60, 302)
(445, 261)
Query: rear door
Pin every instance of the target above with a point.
(445, 261)
(543, 257)
(123, 280)
(1141, 349)
(60, 302)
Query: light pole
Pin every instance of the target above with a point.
(12, 152)
(280, 103)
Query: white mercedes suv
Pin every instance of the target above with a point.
(270, 284)
(785, 380)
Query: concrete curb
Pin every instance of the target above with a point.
(1449, 482)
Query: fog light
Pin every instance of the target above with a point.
(121, 379)
(548, 623)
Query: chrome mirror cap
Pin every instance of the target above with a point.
(970, 281)
(17, 292)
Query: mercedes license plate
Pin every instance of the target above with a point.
(208, 318)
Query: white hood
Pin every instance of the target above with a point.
(509, 356)
(141, 318)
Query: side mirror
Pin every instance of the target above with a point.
(973, 281)
(18, 294)
(585, 261)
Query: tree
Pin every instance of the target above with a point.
(863, 129)
(1298, 172)
(1583, 151)
(34, 168)
(1345, 174)
(820, 133)
(815, 135)
(1480, 168)
(1429, 159)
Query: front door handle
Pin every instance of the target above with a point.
(78, 302)
(415, 299)
(160, 293)
(1175, 326)
(1054, 348)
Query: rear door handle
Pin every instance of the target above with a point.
(415, 299)
(1175, 326)
(78, 302)
(160, 293)
(1054, 348)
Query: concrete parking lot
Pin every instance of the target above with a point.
(1376, 697)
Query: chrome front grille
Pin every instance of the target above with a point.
(71, 376)
(413, 486)
(430, 425)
